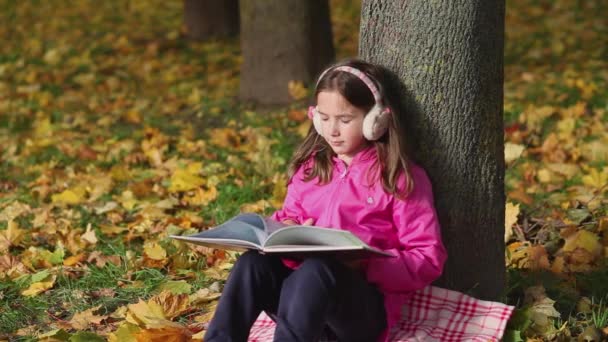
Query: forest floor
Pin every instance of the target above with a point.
(117, 131)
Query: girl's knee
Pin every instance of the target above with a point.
(255, 261)
(250, 258)
(316, 265)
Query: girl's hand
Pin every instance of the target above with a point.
(307, 222)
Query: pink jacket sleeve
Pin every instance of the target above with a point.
(420, 255)
(292, 208)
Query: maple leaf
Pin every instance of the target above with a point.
(512, 151)
(11, 266)
(14, 210)
(595, 178)
(583, 239)
(89, 236)
(83, 320)
(73, 196)
(172, 304)
(185, 179)
(225, 137)
(164, 334)
(41, 281)
(11, 236)
(541, 310)
(297, 90)
(126, 332)
(511, 213)
(154, 255)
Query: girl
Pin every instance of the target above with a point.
(350, 172)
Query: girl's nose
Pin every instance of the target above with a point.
(333, 128)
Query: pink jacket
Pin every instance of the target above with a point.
(406, 228)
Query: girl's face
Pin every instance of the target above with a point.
(342, 124)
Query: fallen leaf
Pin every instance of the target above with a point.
(511, 213)
(172, 305)
(39, 286)
(512, 151)
(11, 236)
(85, 319)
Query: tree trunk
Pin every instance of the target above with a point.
(211, 18)
(282, 41)
(448, 56)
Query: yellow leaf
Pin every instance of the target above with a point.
(596, 151)
(127, 200)
(71, 196)
(52, 57)
(596, 178)
(74, 259)
(39, 287)
(200, 196)
(154, 255)
(297, 90)
(125, 333)
(143, 313)
(195, 97)
(120, 173)
(83, 320)
(133, 116)
(185, 180)
(173, 305)
(566, 170)
(155, 251)
(303, 128)
(545, 175)
(513, 151)
(583, 239)
(256, 207)
(54, 336)
(11, 236)
(225, 137)
(164, 334)
(100, 185)
(511, 213)
(565, 128)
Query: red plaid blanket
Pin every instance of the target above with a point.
(432, 314)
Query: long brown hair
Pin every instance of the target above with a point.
(392, 160)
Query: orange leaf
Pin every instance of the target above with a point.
(166, 334)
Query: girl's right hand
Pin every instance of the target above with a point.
(307, 222)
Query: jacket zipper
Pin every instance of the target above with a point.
(333, 202)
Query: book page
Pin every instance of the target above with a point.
(309, 235)
(233, 230)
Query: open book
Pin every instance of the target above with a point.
(252, 231)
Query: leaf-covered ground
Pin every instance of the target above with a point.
(117, 131)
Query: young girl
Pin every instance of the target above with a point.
(350, 173)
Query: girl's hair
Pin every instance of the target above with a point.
(390, 148)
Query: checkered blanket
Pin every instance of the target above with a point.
(432, 314)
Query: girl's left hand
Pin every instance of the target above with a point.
(307, 222)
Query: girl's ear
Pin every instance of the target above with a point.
(375, 123)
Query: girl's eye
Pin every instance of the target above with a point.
(324, 119)
(346, 121)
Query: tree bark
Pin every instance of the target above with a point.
(211, 18)
(448, 57)
(282, 41)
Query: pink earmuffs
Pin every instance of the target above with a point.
(376, 121)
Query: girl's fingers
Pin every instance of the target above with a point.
(308, 222)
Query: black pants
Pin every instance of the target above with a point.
(322, 293)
